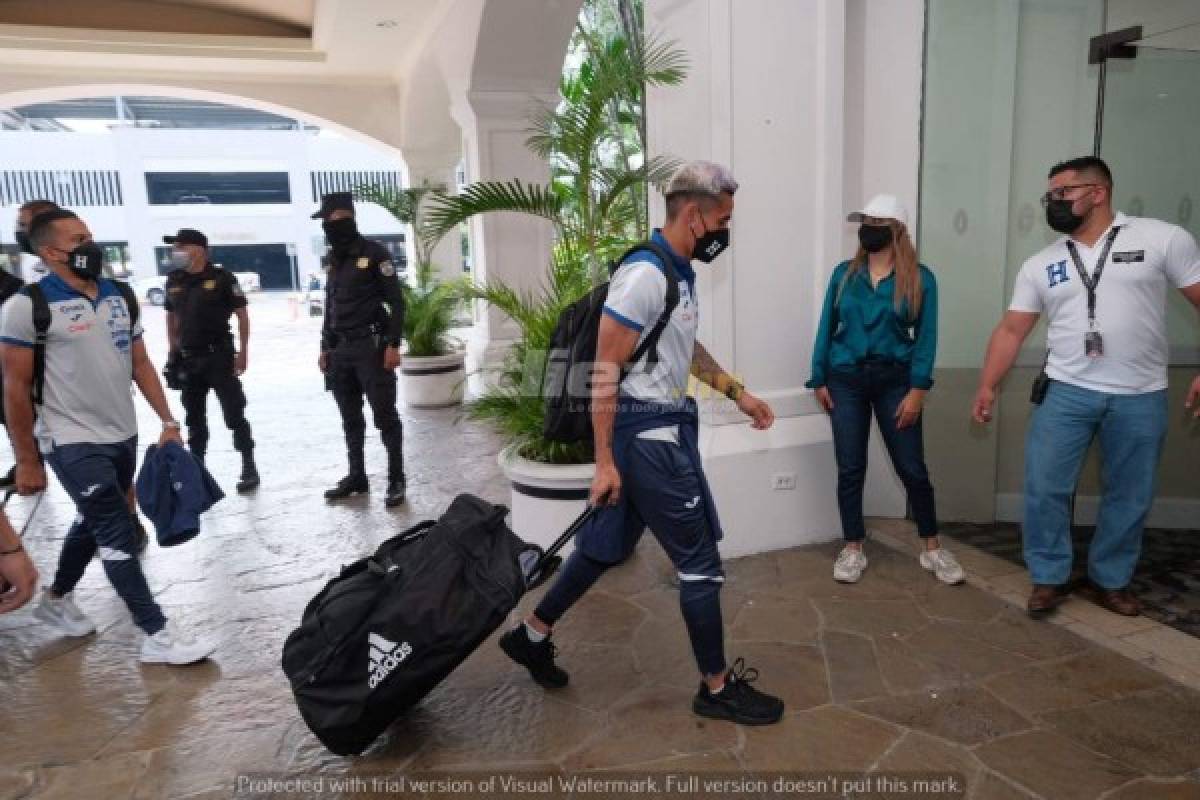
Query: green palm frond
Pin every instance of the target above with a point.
(446, 212)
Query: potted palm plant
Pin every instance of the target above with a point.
(596, 200)
(434, 361)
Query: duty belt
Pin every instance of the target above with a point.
(353, 334)
(206, 349)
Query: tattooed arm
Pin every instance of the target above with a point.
(708, 371)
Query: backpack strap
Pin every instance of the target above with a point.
(131, 302)
(41, 324)
(650, 343)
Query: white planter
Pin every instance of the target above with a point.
(546, 498)
(434, 381)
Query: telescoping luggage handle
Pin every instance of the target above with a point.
(547, 562)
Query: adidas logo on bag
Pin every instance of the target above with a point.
(384, 657)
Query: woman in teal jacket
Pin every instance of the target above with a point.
(874, 355)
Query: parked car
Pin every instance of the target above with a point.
(248, 281)
(151, 289)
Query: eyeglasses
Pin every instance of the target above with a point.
(1061, 192)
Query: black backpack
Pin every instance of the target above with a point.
(42, 318)
(573, 349)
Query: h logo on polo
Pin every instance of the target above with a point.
(1057, 273)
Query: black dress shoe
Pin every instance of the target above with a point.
(395, 493)
(349, 485)
(249, 480)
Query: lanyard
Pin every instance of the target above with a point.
(1090, 283)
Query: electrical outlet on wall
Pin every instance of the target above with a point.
(783, 481)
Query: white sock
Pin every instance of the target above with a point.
(533, 635)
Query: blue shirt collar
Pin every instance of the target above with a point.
(683, 266)
(56, 288)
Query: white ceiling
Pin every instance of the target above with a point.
(371, 39)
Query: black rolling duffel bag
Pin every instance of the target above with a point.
(389, 628)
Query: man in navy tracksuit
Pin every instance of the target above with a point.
(648, 470)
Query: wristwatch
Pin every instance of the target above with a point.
(171, 424)
(735, 391)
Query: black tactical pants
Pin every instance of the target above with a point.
(356, 369)
(201, 372)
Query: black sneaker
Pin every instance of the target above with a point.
(351, 484)
(537, 657)
(739, 701)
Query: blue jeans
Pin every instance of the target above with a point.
(1132, 429)
(97, 477)
(877, 387)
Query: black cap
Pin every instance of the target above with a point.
(337, 201)
(188, 236)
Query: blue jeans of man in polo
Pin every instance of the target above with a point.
(1131, 429)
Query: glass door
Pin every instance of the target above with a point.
(1149, 133)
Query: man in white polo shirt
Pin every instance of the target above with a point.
(86, 424)
(1103, 287)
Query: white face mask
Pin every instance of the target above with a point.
(180, 259)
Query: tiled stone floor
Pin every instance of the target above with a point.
(896, 673)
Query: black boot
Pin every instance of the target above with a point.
(395, 493)
(249, 480)
(349, 485)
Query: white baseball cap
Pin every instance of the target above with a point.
(882, 206)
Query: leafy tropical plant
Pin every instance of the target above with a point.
(430, 307)
(594, 142)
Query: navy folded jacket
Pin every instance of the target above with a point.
(173, 490)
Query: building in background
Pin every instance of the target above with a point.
(136, 168)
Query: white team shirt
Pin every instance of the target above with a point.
(637, 296)
(1148, 257)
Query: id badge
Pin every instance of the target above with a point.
(1093, 344)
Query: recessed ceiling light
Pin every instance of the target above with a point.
(386, 23)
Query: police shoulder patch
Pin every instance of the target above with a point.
(210, 284)
(363, 263)
(387, 269)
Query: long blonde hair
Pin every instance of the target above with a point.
(908, 270)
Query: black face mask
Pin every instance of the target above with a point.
(86, 261)
(874, 238)
(341, 233)
(1061, 217)
(24, 243)
(711, 244)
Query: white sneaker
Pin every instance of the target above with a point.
(849, 565)
(172, 646)
(942, 563)
(63, 614)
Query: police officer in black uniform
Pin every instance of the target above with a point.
(200, 299)
(360, 343)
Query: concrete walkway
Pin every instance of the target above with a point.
(898, 673)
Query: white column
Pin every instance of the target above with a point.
(510, 248)
(437, 169)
